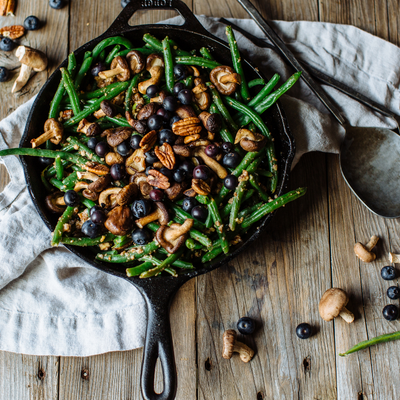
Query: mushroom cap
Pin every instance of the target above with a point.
(212, 122)
(107, 108)
(138, 126)
(203, 100)
(119, 220)
(229, 340)
(56, 127)
(215, 77)
(363, 253)
(100, 183)
(175, 190)
(118, 135)
(250, 141)
(33, 58)
(147, 111)
(104, 198)
(136, 61)
(51, 202)
(127, 194)
(122, 63)
(154, 60)
(331, 303)
(185, 111)
(172, 237)
(136, 162)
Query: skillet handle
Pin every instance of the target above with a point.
(121, 23)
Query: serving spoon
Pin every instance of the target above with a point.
(369, 156)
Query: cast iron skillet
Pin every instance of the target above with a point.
(157, 291)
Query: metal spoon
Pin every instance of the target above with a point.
(369, 156)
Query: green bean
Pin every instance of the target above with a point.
(159, 268)
(95, 106)
(59, 168)
(211, 254)
(85, 241)
(90, 154)
(128, 96)
(44, 153)
(224, 133)
(65, 217)
(50, 170)
(189, 82)
(256, 82)
(109, 42)
(169, 65)
(388, 337)
(145, 51)
(225, 211)
(44, 180)
(112, 54)
(87, 63)
(192, 245)
(118, 121)
(120, 241)
(198, 61)
(271, 206)
(129, 254)
(256, 185)
(99, 92)
(102, 55)
(136, 271)
(200, 237)
(237, 201)
(264, 91)
(218, 224)
(209, 221)
(249, 210)
(206, 53)
(86, 202)
(265, 173)
(237, 63)
(184, 215)
(58, 184)
(73, 95)
(178, 263)
(156, 44)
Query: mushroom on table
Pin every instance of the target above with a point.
(232, 345)
(333, 304)
(363, 252)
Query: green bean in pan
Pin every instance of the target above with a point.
(128, 96)
(69, 87)
(236, 203)
(112, 54)
(86, 241)
(256, 185)
(169, 65)
(65, 217)
(266, 90)
(85, 67)
(256, 82)
(131, 254)
(198, 61)
(206, 53)
(164, 264)
(110, 42)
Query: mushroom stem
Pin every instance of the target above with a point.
(156, 74)
(23, 77)
(234, 78)
(231, 345)
(60, 201)
(347, 315)
(173, 234)
(211, 163)
(111, 72)
(372, 242)
(44, 137)
(394, 258)
(90, 176)
(245, 352)
(142, 222)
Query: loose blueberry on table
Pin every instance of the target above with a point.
(304, 330)
(31, 23)
(3, 74)
(393, 292)
(390, 312)
(246, 326)
(388, 273)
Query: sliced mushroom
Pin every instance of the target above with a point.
(106, 109)
(138, 126)
(31, 60)
(147, 111)
(119, 220)
(89, 128)
(113, 158)
(55, 202)
(119, 69)
(126, 194)
(118, 135)
(201, 96)
(155, 65)
(175, 191)
(225, 79)
(107, 198)
(136, 61)
(53, 131)
(211, 163)
(212, 122)
(232, 345)
(136, 162)
(160, 215)
(171, 238)
(184, 111)
(250, 141)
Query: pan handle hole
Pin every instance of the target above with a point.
(142, 17)
(158, 378)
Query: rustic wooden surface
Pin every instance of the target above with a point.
(278, 282)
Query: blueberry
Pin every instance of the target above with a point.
(246, 326)
(118, 171)
(174, 119)
(179, 175)
(185, 96)
(178, 87)
(31, 23)
(187, 166)
(167, 172)
(124, 3)
(180, 71)
(92, 143)
(230, 182)
(227, 147)
(56, 4)
(99, 67)
(212, 150)
(152, 91)
(95, 208)
(71, 198)
(141, 236)
(124, 148)
(188, 203)
(231, 160)
(170, 103)
(200, 213)
(135, 140)
(156, 195)
(3, 74)
(393, 292)
(155, 122)
(89, 228)
(141, 208)
(201, 172)
(388, 273)
(148, 169)
(151, 158)
(101, 149)
(6, 44)
(166, 135)
(46, 161)
(164, 114)
(98, 217)
(304, 331)
(390, 312)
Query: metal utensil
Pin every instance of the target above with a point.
(369, 156)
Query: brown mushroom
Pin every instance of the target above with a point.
(155, 65)
(225, 79)
(118, 135)
(212, 122)
(231, 345)
(333, 303)
(185, 111)
(107, 198)
(250, 141)
(106, 109)
(201, 97)
(53, 131)
(126, 194)
(171, 238)
(394, 258)
(182, 150)
(138, 126)
(113, 158)
(119, 69)
(160, 215)
(211, 163)
(147, 111)
(119, 220)
(175, 191)
(89, 128)
(140, 180)
(99, 183)
(136, 162)
(363, 252)
(136, 61)
(102, 83)
(160, 98)
(31, 60)
(55, 202)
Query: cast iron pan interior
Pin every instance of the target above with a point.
(157, 291)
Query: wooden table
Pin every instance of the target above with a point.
(278, 281)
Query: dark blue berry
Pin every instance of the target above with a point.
(231, 160)
(246, 326)
(174, 119)
(31, 23)
(180, 71)
(212, 150)
(124, 148)
(178, 87)
(179, 175)
(141, 208)
(304, 331)
(155, 122)
(118, 171)
(170, 103)
(151, 158)
(71, 198)
(200, 213)
(393, 292)
(166, 135)
(152, 91)
(101, 149)
(227, 147)
(135, 140)
(164, 114)
(187, 166)
(167, 172)
(156, 195)
(390, 312)
(141, 236)
(92, 143)
(56, 4)
(6, 44)
(185, 96)
(230, 182)
(201, 172)
(98, 217)
(388, 273)
(3, 74)
(99, 67)
(188, 203)
(89, 228)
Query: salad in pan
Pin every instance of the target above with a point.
(157, 157)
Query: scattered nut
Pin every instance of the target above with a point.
(13, 32)
(148, 141)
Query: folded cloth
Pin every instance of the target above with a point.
(52, 303)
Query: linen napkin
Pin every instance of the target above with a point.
(52, 303)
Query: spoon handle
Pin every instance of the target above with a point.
(278, 42)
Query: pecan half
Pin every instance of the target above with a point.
(7, 7)
(187, 126)
(96, 168)
(166, 155)
(191, 138)
(13, 32)
(148, 141)
(157, 179)
(200, 187)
